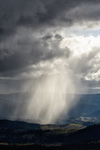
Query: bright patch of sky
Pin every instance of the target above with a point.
(88, 32)
(81, 31)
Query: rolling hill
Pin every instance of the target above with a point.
(87, 106)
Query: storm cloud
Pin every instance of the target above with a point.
(41, 14)
(25, 28)
(31, 33)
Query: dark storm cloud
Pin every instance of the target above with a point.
(25, 51)
(17, 49)
(39, 13)
(5, 32)
(13, 62)
(16, 13)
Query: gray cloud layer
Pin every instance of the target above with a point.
(28, 33)
(37, 13)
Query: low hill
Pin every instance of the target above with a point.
(16, 132)
(91, 133)
(19, 125)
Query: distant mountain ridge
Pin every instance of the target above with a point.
(88, 105)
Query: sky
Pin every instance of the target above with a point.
(50, 41)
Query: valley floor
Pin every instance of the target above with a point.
(85, 146)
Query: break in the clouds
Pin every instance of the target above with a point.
(50, 47)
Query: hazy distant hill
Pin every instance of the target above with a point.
(95, 114)
(9, 103)
(87, 106)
